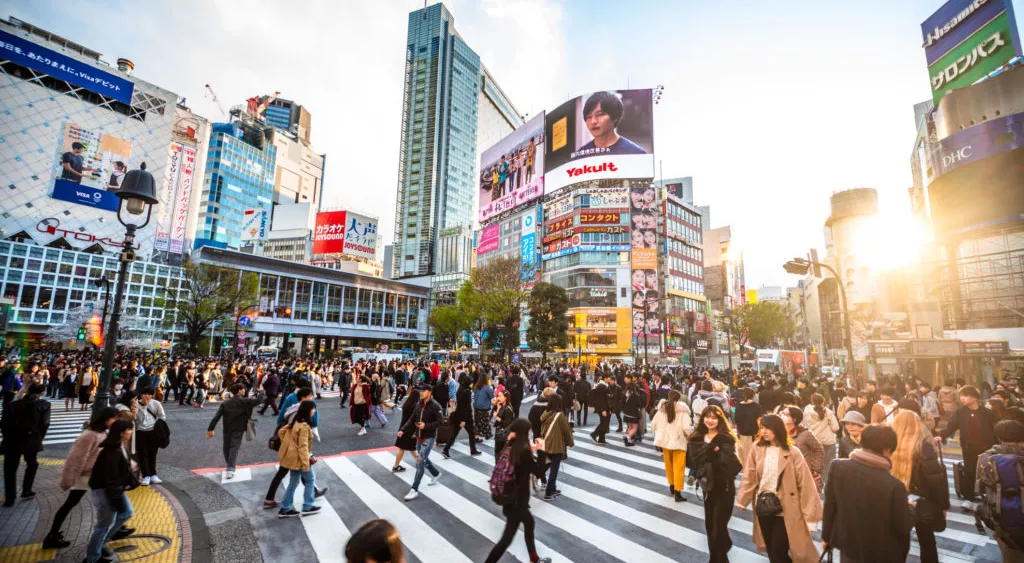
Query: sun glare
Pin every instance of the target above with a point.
(890, 240)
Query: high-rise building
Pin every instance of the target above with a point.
(687, 324)
(452, 109)
(289, 116)
(239, 177)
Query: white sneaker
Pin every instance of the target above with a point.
(361, 431)
(413, 493)
(156, 480)
(967, 506)
(146, 481)
(434, 479)
(229, 475)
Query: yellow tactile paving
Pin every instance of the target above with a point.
(46, 461)
(30, 553)
(153, 517)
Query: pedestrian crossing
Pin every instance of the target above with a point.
(65, 425)
(614, 507)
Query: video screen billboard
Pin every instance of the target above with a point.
(601, 135)
(512, 171)
(645, 304)
(90, 167)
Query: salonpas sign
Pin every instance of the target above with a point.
(984, 51)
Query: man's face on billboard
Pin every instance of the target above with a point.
(599, 123)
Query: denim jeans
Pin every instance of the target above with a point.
(308, 491)
(556, 462)
(423, 450)
(107, 522)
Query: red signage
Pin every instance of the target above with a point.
(51, 226)
(587, 218)
(329, 236)
(559, 225)
(563, 244)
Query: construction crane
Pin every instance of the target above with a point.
(256, 105)
(213, 96)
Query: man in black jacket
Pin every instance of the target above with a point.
(582, 391)
(425, 420)
(976, 425)
(602, 407)
(24, 425)
(515, 389)
(870, 521)
(236, 412)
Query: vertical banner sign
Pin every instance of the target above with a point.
(528, 247)
(182, 200)
(163, 215)
(489, 239)
(645, 305)
(329, 235)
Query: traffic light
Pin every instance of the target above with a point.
(797, 266)
(81, 333)
(283, 311)
(289, 334)
(225, 343)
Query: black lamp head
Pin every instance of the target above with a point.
(138, 185)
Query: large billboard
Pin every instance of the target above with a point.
(361, 236)
(512, 171)
(967, 39)
(28, 54)
(89, 167)
(329, 233)
(488, 241)
(646, 301)
(601, 135)
(254, 225)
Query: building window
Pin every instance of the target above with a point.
(348, 313)
(363, 313)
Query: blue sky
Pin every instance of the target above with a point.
(770, 106)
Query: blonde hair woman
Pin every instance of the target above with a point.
(915, 462)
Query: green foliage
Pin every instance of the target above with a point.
(448, 322)
(492, 299)
(211, 293)
(763, 323)
(549, 324)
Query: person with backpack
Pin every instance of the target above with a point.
(712, 453)
(632, 411)
(296, 455)
(24, 424)
(948, 401)
(510, 488)
(915, 462)
(976, 425)
(999, 484)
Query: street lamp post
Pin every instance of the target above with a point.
(727, 313)
(800, 266)
(137, 196)
(579, 351)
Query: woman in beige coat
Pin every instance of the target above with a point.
(775, 466)
(295, 455)
(671, 426)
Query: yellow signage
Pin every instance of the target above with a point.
(558, 133)
(752, 296)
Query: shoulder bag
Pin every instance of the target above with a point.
(768, 502)
(540, 441)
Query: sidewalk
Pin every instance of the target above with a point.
(163, 530)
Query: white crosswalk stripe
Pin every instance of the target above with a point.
(65, 425)
(614, 507)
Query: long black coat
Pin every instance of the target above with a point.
(866, 513)
(24, 424)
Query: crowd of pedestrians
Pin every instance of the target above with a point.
(779, 445)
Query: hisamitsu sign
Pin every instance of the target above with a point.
(27, 54)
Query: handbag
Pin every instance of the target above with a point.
(540, 441)
(768, 503)
(576, 406)
(250, 429)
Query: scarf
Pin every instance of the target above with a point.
(870, 459)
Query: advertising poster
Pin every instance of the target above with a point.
(162, 241)
(606, 198)
(182, 199)
(89, 167)
(360, 236)
(645, 305)
(329, 233)
(254, 225)
(488, 239)
(512, 171)
(528, 249)
(600, 135)
(989, 48)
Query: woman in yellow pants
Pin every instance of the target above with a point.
(671, 425)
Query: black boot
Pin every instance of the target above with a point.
(55, 541)
(679, 497)
(671, 490)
